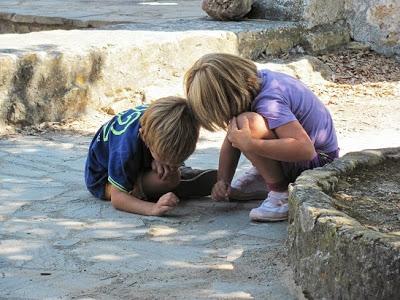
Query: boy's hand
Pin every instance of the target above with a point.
(220, 191)
(240, 138)
(162, 170)
(166, 203)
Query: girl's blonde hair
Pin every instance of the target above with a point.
(220, 86)
(170, 130)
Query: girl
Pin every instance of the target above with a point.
(270, 117)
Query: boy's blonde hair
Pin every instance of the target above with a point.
(170, 130)
(220, 86)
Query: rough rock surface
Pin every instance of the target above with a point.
(50, 76)
(375, 22)
(333, 255)
(227, 9)
(26, 16)
(310, 12)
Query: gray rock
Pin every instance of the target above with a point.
(375, 22)
(227, 9)
(333, 255)
(311, 12)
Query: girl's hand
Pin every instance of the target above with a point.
(240, 138)
(220, 191)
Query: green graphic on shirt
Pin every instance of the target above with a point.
(122, 122)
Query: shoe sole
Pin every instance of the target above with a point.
(198, 186)
(268, 219)
(238, 196)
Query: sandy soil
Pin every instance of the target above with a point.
(372, 196)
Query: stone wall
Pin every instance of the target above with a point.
(332, 254)
(374, 22)
(311, 12)
(50, 76)
(15, 23)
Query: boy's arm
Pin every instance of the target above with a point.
(125, 202)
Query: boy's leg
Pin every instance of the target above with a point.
(107, 192)
(193, 183)
(150, 184)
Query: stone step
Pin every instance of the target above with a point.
(52, 75)
(24, 16)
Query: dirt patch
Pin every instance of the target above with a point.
(371, 195)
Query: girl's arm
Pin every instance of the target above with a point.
(293, 143)
(228, 161)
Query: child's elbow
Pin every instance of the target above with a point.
(310, 152)
(116, 199)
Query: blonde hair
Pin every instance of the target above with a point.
(170, 130)
(220, 86)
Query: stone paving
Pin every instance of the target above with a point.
(58, 242)
(107, 11)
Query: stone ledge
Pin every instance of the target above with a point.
(332, 254)
(52, 75)
(16, 23)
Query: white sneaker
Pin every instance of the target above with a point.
(274, 208)
(249, 186)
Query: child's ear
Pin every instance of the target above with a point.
(141, 136)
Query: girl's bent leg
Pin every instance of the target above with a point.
(270, 170)
(275, 206)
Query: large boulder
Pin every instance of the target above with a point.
(227, 9)
(375, 22)
(311, 12)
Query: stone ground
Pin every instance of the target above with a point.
(115, 11)
(58, 242)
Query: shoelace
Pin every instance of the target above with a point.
(273, 202)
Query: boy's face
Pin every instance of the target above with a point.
(156, 157)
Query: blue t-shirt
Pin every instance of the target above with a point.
(283, 99)
(117, 154)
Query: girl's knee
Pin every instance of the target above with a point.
(258, 125)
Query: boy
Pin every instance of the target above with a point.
(136, 157)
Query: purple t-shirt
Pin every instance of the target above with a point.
(283, 99)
